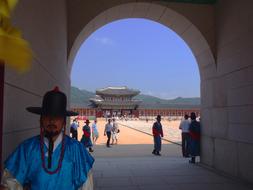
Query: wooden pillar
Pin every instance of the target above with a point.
(1, 111)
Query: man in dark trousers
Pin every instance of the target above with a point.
(74, 129)
(108, 132)
(157, 130)
(184, 126)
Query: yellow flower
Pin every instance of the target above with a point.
(14, 50)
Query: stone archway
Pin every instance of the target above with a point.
(222, 31)
(202, 46)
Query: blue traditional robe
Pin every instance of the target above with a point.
(25, 165)
(157, 131)
(194, 138)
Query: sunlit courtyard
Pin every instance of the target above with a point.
(130, 164)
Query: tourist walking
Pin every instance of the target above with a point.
(115, 132)
(86, 138)
(51, 160)
(108, 132)
(184, 127)
(157, 131)
(95, 134)
(194, 132)
(74, 129)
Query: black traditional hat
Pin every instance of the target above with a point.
(193, 116)
(158, 117)
(54, 104)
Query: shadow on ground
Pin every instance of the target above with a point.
(135, 150)
(134, 167)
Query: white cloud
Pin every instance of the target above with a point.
(104, 41)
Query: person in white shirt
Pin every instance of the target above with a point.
(115, 132)
(184, 126)
(94, 131)
(74, 129)
(108, 132)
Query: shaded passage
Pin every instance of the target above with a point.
(131, 166)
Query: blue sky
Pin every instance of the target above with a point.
(139, 54)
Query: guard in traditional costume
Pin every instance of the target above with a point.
(51, 160)
(157, 131)
(86, 138)
(194, 131)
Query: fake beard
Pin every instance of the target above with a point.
(51, 134)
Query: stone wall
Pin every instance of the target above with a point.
(43, 24)
(227, 142)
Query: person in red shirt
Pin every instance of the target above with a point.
(157, 131)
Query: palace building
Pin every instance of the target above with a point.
(121, 101)
(115, 101)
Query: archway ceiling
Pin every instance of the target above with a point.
(194, 1)
(191, 34)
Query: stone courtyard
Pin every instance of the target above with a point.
(130, 165)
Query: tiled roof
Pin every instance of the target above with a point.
(117, 91)
(132, 102)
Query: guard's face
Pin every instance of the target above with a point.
(52, 125)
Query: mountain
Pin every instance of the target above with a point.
(150, 99)
(185, 101)
(155, 102)
(80, 98)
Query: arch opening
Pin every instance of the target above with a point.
(158, 13)
(197, 47)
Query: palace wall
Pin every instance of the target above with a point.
(44, 25)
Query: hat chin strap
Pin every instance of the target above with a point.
(49, 136)
(50, 152)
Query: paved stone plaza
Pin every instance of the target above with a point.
(170, 128)
(131, 166)
(159, 173)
